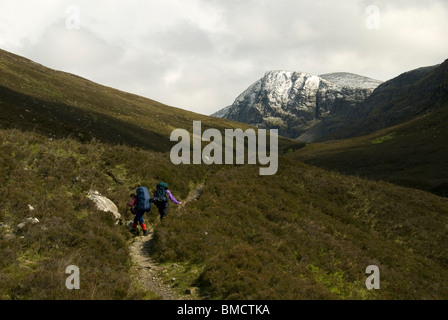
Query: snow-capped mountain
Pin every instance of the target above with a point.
(295, 101)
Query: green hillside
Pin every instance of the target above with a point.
(401, 99)
(54, 178)
(309, 234)
(412, 154)
(304, 233)
(59, 105)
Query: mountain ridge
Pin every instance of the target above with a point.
(399, 136)
(410, 94)
(294, 101)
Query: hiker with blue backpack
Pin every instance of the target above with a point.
(161, 198)
(140, 203)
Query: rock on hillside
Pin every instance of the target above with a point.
(104, 204)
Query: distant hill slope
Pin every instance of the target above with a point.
(59, 104)
(412, 152)
(398, 100)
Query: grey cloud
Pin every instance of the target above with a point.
(184, 38)
(73, 50)
(204, 65)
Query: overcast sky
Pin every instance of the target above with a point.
(200, 55)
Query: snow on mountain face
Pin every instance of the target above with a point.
(351, 80)
(294, 101)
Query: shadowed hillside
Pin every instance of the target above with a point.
(407, 96)
(412, 153)
(59, 104)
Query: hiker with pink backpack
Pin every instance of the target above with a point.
(140, 204)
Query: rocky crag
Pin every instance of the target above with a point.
(294, 102)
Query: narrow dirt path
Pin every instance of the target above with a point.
(147, 271)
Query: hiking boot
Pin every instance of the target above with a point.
(145, 232)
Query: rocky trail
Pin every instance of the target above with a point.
(148, 272)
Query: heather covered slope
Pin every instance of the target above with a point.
(401, 99)
(54, 178)
(309, 234)
(412, 154)
(59, 104)
(303, 233)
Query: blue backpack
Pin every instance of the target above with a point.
(144, 199)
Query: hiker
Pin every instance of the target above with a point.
(161, 196)
(140, 203)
